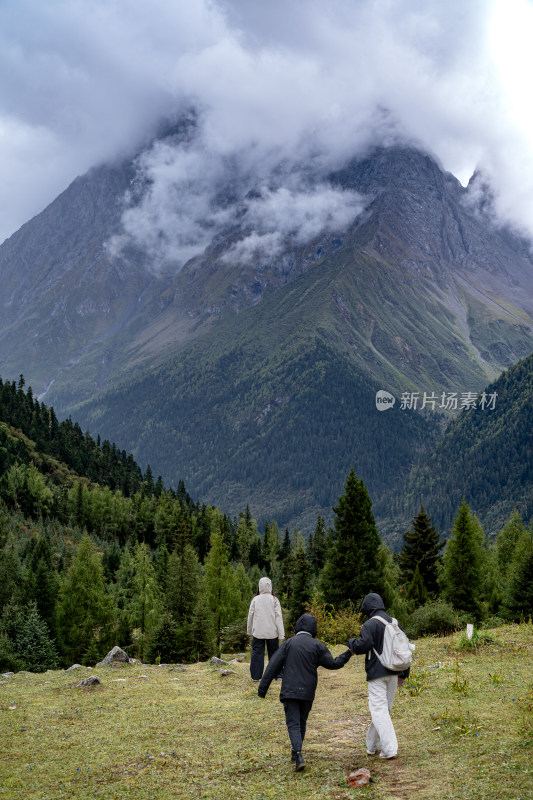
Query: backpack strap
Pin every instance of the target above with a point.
(385, 622)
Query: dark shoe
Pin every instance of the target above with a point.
(293, 755)
(299, 762)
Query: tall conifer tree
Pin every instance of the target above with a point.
(222, 597)
(145, 605)
(85, 610)
(463, 562)
(300, 588)
(352, 568)
(421, 550)
(183, 583)
(519, 596)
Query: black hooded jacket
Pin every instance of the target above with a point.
(299, 658)
(371, 637)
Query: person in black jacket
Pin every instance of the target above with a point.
(299, 658)
(382, 682)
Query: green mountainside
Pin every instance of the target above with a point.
(484, 456)
(273, 406)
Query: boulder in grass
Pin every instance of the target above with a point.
(115, 656)
(92, 680)
(74, 666)
(217, 661)
(361, 777)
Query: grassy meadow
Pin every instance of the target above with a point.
(464, 722)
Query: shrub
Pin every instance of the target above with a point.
(434, 617)
(492, 622)
(166, 641)
(335, 625)
(9, 660)
(34, 644)
(477, 639)
(234, 638)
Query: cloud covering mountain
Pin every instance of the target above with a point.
(275, 86)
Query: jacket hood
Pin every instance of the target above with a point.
(265, 586)
(371, 604)
(307, 623)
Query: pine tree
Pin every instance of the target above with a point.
(270, 548)
(145, 606)
(164, 641)
(84, 608)
(34, 644)
(463, 562)
(42, 583)
(506, 542)
(390, 593)
(317, 547)
(287, 567)
(421, 550)
(352, 568)
(248, 539)
(183, 583)
(519, 597)
(123, 591)
(300, 588)
(417, 593)
(202, 634)
(11, 575)
(220, 586)
(244, 591)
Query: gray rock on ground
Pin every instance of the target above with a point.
(92, 680)
(116, 655)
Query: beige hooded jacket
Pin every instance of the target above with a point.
(264, 617)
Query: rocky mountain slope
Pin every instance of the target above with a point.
(254, 379)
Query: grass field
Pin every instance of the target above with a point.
(464, 722)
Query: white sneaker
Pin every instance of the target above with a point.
(382, 755)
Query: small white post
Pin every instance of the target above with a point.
(469, 630)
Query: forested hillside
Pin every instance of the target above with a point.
(485, 456)
(85, 565)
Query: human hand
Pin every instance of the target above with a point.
(401, 681)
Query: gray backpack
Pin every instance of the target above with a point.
(397, 654)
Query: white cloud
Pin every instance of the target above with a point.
(277, 83)
(301, 215)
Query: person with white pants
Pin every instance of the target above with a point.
(382, 682)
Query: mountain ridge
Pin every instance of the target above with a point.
(419, 292)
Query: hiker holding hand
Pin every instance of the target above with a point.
(383, 644)
(299, 658)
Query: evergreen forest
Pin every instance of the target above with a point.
(94, 553)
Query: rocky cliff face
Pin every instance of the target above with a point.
(76, 316)
(61, 295)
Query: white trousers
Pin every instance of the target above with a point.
(381, 735)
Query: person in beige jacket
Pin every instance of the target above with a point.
(265, 626)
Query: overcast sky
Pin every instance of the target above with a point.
(85, 81)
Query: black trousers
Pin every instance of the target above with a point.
(296, 713)
(257, 659)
